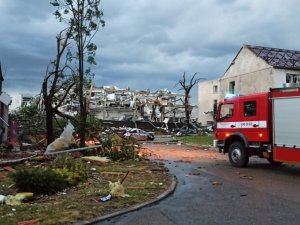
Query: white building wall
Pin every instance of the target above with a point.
(279, 76)
(206, 96)
(254, 82)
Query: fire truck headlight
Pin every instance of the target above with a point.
(260, 135)
(227, 135)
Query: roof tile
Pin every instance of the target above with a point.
(281, 58)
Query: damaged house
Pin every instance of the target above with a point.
(254, 69)
(113, 103)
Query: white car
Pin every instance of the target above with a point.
(139, 134)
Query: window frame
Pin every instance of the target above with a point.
(249, 112)
(215, 89)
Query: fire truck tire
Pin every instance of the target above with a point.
(238, 155)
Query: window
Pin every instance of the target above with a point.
(231, 87)
(226, 111)
(250, 108)
(292, 78)
(209, 123)
(215, 108)
(215, 89)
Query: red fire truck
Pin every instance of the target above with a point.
(263, 124)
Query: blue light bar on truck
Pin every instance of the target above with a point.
(229, 95)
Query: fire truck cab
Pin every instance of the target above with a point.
(263, 124)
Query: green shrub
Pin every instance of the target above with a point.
(65, 171)
(38, 180)
(117, 148)
(72, 169)
(72, 178)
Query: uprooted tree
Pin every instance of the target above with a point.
(187, 86)
(84, 19)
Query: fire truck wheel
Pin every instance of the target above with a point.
(238, 155)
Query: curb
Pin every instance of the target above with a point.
(162, 196)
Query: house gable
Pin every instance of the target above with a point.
(245, 62)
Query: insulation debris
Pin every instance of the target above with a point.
(96, 158)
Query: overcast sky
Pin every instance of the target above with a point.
(147, 44)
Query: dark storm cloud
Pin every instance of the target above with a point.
(147, 44)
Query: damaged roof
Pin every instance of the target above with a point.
(276, 57)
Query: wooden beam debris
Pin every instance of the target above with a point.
(73, 150)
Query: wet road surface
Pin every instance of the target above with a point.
(211, 191)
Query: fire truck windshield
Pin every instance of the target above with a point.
(226, 111)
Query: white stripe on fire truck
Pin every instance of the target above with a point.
(242, 124)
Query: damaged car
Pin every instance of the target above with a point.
(139, 134)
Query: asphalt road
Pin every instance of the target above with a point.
(210, 191)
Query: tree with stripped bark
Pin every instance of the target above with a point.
(187, 86)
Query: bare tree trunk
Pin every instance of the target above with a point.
(49, 112)
(49, 125)
(82, 99)
(187, 87)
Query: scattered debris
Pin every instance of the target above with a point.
(216, 183)
(28, 222)
(96, 159)
(183, 161)
(10, 186)
(18, 198)
(115, 170)
(124, 177)
(9, 168)
(64, 141)
(2, 199)
(117, 189)
(15, 161)
(195, 173)
(106, 198)
(244, 176)
(58, 144)
(160, 169)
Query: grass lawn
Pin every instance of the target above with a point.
(199, 140)
(145, 181)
